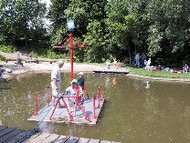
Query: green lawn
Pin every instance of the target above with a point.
(163, 74)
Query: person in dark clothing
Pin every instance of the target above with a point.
(81, 80)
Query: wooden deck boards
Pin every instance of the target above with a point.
(14, 135)
(11, 135)
(61, 115)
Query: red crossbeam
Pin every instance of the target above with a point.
(64, 44)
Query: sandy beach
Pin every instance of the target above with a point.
(13, 69)
(44, 65)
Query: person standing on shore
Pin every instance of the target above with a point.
(137, 60)
(56, 80)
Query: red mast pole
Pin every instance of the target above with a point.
(71, 56)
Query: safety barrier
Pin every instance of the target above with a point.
(97, 100)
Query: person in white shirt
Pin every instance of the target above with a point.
(148, 67)
(56, 80)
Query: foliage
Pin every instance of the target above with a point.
(112, 29)
(97, 41)
(21, 21)
(2, 58)
(7, 49)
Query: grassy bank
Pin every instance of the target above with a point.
(162, 74)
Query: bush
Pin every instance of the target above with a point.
(2, 58)
(7, 49)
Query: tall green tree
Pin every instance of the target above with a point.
(21, 21)
(169, 29)
(122, 23)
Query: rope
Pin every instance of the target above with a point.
(36, 128)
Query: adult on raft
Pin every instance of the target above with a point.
(56, 80)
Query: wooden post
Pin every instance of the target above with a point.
(94, 106)
(36, 108)
(48, 94)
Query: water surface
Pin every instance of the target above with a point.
(136, 111)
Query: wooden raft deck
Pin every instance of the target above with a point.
(13, 135)
(61, 115)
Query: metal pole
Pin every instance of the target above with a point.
(71, 56)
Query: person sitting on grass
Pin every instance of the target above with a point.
(148, 67)
(108, 64)
(185, 68)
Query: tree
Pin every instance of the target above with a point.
(21, 20)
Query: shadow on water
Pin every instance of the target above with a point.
(136, 111)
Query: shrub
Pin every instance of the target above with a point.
(2, 58)
(7, 48)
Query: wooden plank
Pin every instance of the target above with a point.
(32, 137)
(40, 138)
(72, 140)
(10, 135)
(83, 140)
(61, 139)
(2, 128)
(51, 138)
(94, 141)
(5, 131)
(20, 137)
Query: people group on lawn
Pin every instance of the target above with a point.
(141, 61)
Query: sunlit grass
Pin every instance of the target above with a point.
(163, 74)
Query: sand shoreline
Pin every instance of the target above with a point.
(45, 67)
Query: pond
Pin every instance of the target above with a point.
(135, 111)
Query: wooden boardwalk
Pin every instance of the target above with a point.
(13, 135)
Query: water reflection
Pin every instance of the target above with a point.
(136, 84)
(114, 81)
(147, 84)
(46, 127)
(107, 81)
